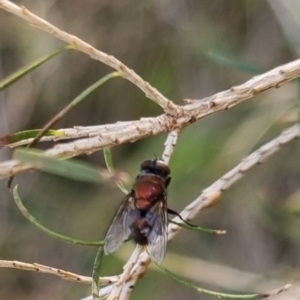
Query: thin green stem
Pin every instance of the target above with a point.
(198, 228)
(216, 294)
(76, 101)
(51, 233)
(96, 274)
(27, 69)
(110, 168)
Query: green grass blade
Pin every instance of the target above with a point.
(27, 69)
(72, 169)
(49, 232)
(234, 63)
(8, 139)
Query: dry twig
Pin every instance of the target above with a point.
(53, 271)
(120, 133)
(152, 93)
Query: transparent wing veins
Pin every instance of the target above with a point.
(120, 227)
(158, 237)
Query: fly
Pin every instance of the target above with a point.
(143, 214)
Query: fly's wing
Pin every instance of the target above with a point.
(157, 218)
(120, 227)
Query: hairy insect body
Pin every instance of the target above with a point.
(143, 213)
(148, 190)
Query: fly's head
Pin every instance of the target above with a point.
(156, 167)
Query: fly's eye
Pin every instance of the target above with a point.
(160, 165)
(147, 164)
(155, 166)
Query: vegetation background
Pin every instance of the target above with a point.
(186, 49)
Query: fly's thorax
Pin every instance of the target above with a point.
(152, 178)
(148, 190)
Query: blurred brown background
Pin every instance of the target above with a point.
(186, 49)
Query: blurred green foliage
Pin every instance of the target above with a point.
(167, 43)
